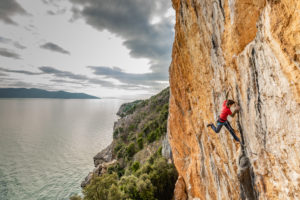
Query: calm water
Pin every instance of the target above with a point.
(47, 145)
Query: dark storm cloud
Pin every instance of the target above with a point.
(4, 40)
(146, 79)
(9, 8)
(54, 47)
(131, 20)
(8, 53)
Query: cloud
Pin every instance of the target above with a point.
(8, 53)
(9, 8)
(82, 79)
(54, 47)
(3, 74)
(138, 81)
(4, 40)
(132, 20)
(146, 79)
(66, 81)
(22, 84)
(56, 12)
(19, 71)
(59, 73)
(78, 77)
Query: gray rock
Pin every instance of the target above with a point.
(166, 149)
(87, 180)
(104, 156)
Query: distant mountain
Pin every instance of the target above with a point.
(38, 93)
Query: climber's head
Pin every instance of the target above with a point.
(229, 103)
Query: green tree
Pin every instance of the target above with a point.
(115, 193)
(140, 142)
(128, 186)
(130, 150)
(145, 188)
(99, 187)
(163, 176)
(135, 166)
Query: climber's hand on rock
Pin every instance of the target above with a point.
(237, 108)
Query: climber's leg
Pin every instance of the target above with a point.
(230, 129)
(218, 128)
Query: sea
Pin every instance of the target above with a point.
(47, 145)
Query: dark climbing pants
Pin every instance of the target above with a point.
(227, 125)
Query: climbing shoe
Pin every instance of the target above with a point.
(208, 125)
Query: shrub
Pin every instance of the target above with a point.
(128, 186)
(115, 134)
(141, 134)
(151, 137)
(124, 137)
(145, 188)
(116, 169)
(99, 187)
(140, 143)
(135, 166)
(118, 146)
(115, 193)
(117, 131)
(137, 188)
(130, 150)
(132, 127)
(120, 154)
(163, 176)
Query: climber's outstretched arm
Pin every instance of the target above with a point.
(227, 93)
(235, 111)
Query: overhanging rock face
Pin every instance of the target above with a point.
(251, 47)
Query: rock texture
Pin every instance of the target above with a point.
(166, 150)
(251, 47)
(104, 156)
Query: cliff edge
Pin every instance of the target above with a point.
(137, 165)
(252, 48)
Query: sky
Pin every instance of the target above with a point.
(106, 48)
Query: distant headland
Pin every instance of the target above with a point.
(39, 93)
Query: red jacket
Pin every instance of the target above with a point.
(225, 112)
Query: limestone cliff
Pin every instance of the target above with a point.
(251, 47)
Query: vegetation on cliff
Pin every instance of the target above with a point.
(142, 123)
(140, 171)
(154, 179)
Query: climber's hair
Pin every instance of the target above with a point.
(230, 102)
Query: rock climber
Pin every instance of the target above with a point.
(222, 121)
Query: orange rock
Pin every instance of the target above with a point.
(253, 48)
(180, 193)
